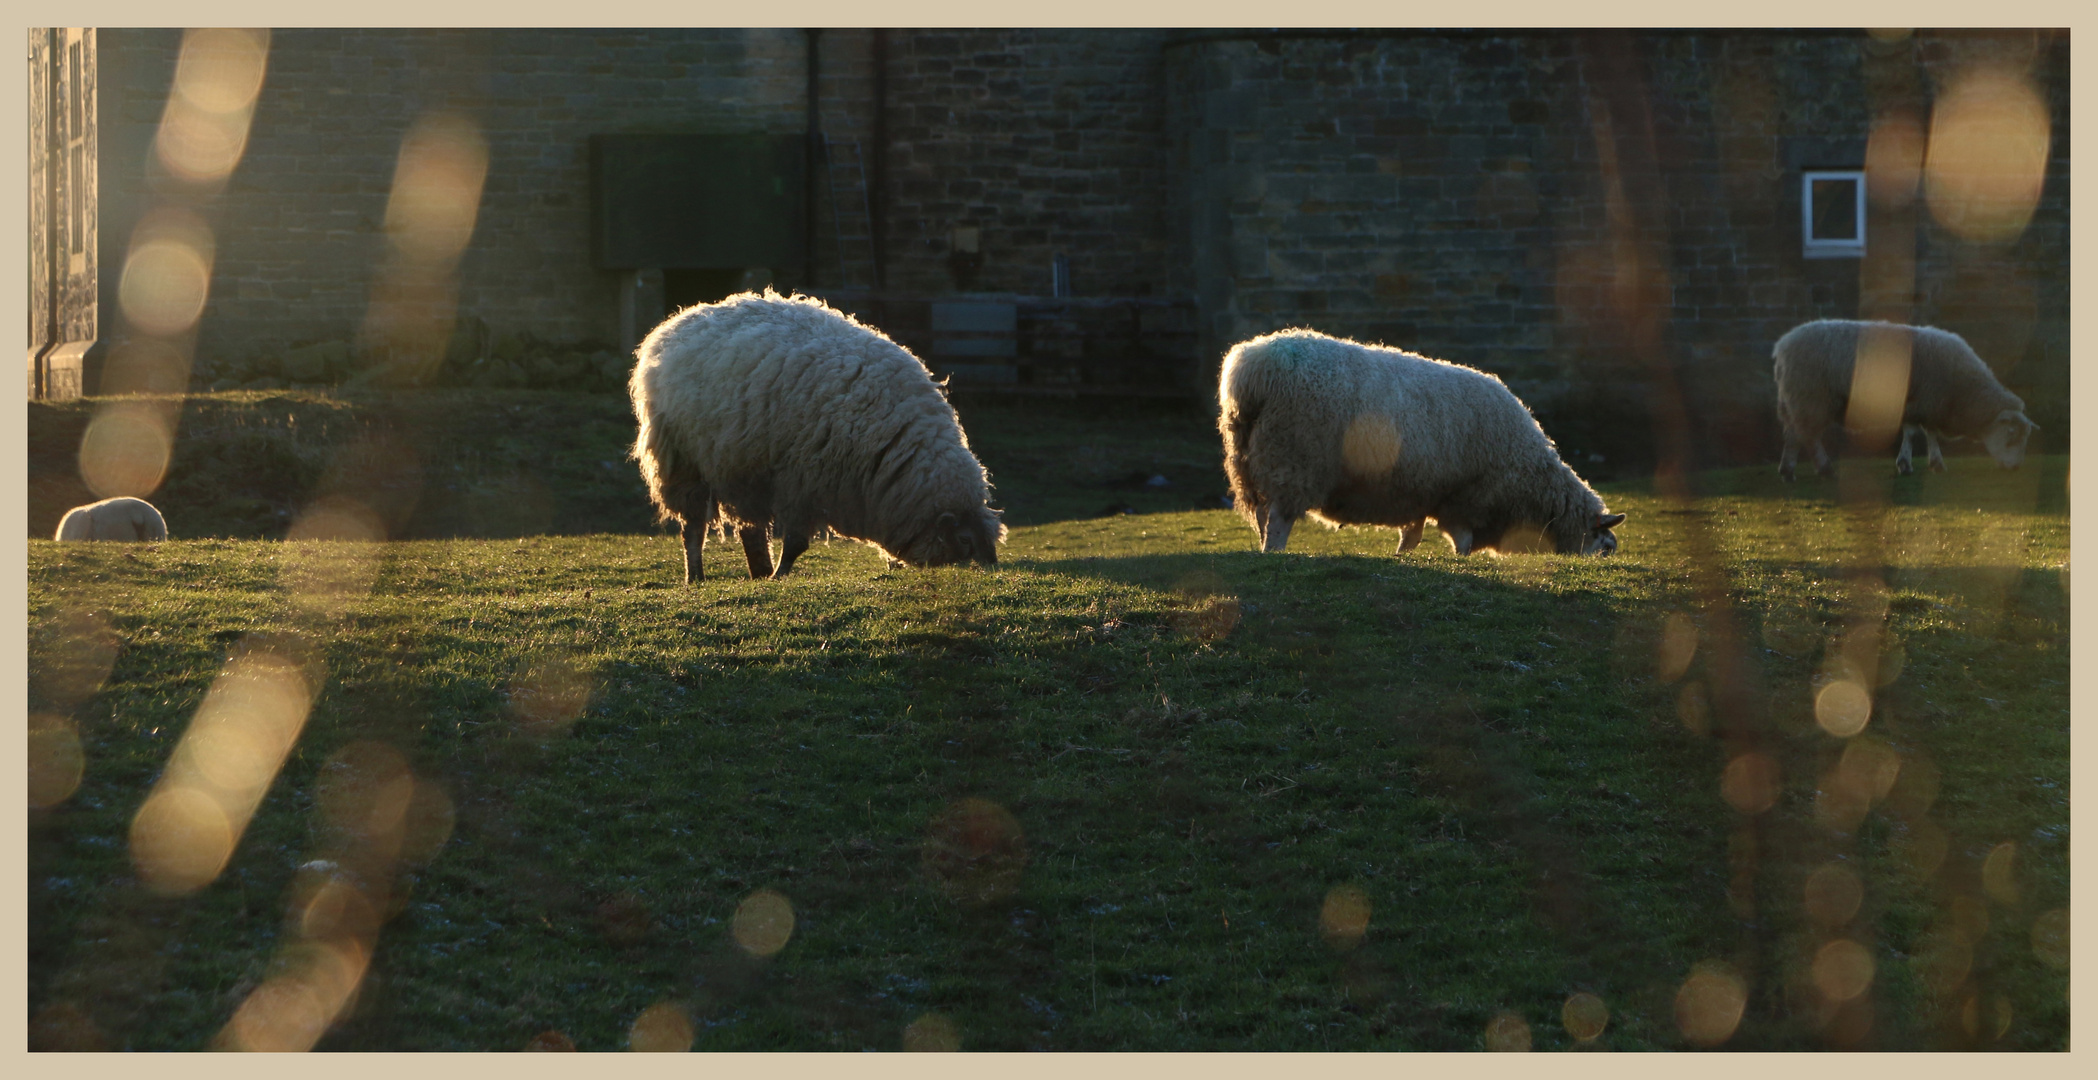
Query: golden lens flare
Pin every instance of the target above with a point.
(763, 923)
(1968, 918)
(145, 366)
(932, 1033)
(1843, 969)
(219, 772)
(1750, 783)
(1345, 917)
(429, 824)
(338, 910)
(1833, 894)
(1879, 387)
(283, 1015)
(125, 449)
(550, 1041)
(661, 1028)
(2050, 938)
(164, 285)
(1999, 877)
(1708, 1005)
(1843, 708)
(1584, 1016)
(1370, 447)
(65, 1026)
(56, 760)
(1942, 962)
(1841, 801)
(1871, 766)
(1694, 708)
(437, 187)
(976, 851)
(332, 554)
(1678, 645)
(220, 70)
(1987, 159)
(1894, 157)
(550, 696)
(1915, 789)
(1507, 1033)
(79, 659)
(363, 794)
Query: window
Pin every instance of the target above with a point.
(1832, 213)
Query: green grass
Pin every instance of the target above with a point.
(1197, 744)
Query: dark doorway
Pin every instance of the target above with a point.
(684, 288)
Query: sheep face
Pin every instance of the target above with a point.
(2007, 436)
(1600, 540)
(955, 539)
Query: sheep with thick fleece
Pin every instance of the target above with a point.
(121, 518)
(1368, 435)
(782, 411)
(1950, 392)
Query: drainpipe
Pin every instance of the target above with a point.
(811, 157)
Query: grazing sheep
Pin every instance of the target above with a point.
(121, 518)
(1951, 392)
(1368, 435)
(781, 410)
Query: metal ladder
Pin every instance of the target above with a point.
(850, 214)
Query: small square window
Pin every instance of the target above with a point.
(1832, 213)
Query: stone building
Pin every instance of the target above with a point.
(1617, 223)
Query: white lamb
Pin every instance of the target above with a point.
(1368, 435)
(121, 518)
(1950, 392)
(779, 410)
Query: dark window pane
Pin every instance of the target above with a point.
(1835, 210)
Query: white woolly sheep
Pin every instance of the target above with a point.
(781, 410)
(121, 518)
(1367, 435)
(1951, 392)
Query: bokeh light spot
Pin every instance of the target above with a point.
(1987, 158)
(1694, 707)
(1999, 877)
(1370, 447)
(1842, 708)
(2050, 938)
(763, 923)
(1677, 646)
(164, 285)
(1708, 1005)
(180, 840)
(1842, 970)
(56, 760)
(1750, 783)
(1879, 387)
(976, 851)
(550, 1041)
(1894, 157)
(1507, 1033)
(332, 554)
(79, 659)
(1833, 894)
(932, 1033)
(1345, 916)
(551, 695)
(437, 187)
(663, 1028)
(1584, 1016)
(125, 449)
(363, 793)
(429, 825)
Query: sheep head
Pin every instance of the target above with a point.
(1600, 540)
(2007, 436)
(971, 537)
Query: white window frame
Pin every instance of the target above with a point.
(1824, 248)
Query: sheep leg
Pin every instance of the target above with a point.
(792, 543)
(693, 506)
(1409, 536)
(1822, 464)
(1937, 456)
(1902, 462)
(1274, 536)
(757, 549)
(1460, 536)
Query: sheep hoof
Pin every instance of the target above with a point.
(1904, 468)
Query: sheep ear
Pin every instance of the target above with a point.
(1609, 521)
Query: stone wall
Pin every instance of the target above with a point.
(1473, 197)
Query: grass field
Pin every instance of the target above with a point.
(1140, 788)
